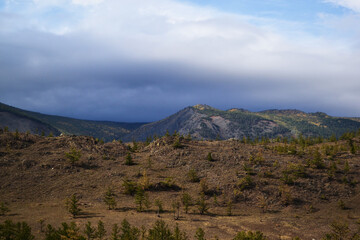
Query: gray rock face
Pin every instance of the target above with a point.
(203, 121)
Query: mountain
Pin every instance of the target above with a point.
(23, 120)
(203, 121)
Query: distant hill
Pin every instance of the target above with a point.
(23, 120)
(201, 121)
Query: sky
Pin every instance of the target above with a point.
(142, 60)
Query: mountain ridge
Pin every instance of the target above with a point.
(201, 121)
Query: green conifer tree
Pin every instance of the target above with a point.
(72, 205)
(109, 198)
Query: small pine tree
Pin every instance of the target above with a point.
(250, 236)
(115, 234)
(89, 231)
(141, 200)
(177, 143)
(188, 137)
(100, 232)
(229, 208)
(200, 234)
(72, 205)
(178, 235)
(41, 222)
(193, 176)
(3, 209)
(129, 160)
(209, 157)
(176, 208)
(130, 187)
(159, 205)
(216, 203)
(160, 231)
(352, 148)
(202, 204)
(346, 167)
(17, 135)
(73, 156)
(317, 160)
(204, 188)
(333, 138)
(144, 181)
(16, 231)
(134, 146)
(109, 198)
(186, 201)
(128, 232)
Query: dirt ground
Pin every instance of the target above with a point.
(36, 178)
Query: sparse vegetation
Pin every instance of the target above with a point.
(252, 177)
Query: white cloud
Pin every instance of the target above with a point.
(87, 2)
(350, 4)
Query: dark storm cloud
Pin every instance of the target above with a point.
(146, 64)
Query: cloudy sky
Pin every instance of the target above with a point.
(142, 60)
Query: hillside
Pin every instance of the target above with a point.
(205, 122)
(201, 121)
(57, 124)
(282, 189)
